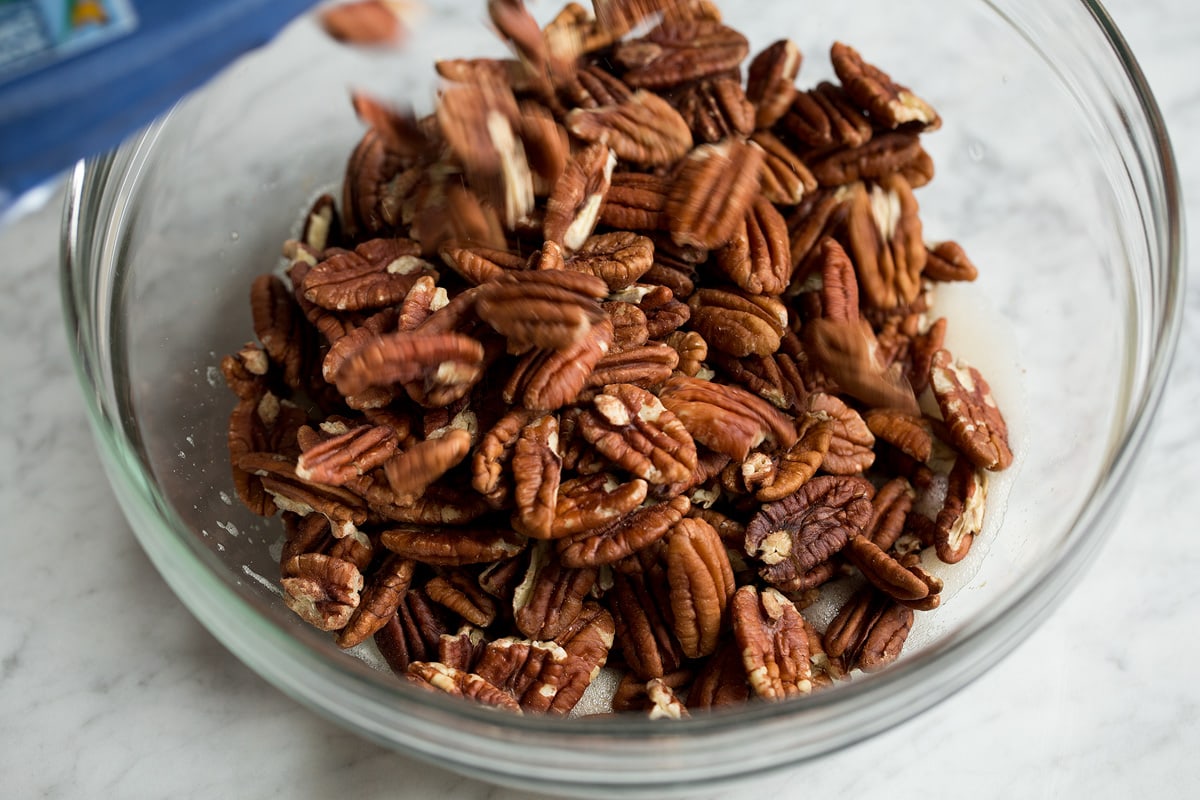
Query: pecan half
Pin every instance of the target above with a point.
(636, 201)
(712, 190)
(774, 643)
(884, 229)
(798, 463)
(440, 677)
(279, 326)
(889, 104)
(451, 546)
(448, 361)
(824, 118)
(411, 472)
(869, 631)
(701, 582)
(725, 418)
(643, 129)
(413, 633)
(378, 602)
(887, 154)
(643, 629)
(795, 534)
(495, 449)
(376, 274)
(908, 433)
(550, 379)
(593, 501)
(550, 596)
(758, 257)
(633, 429)
(337, 459)
(961, 516)
(851, 448)
(890, 509)
(537, 470)
(977, 428)
(676, 52)
(551, 309)
(322, 590)
(574, 204)
(771, 81)
(885, 572)
(738, 324)
(461, 594)
(786, 179)
(716, 109)
(623, 536)
(618, 258)
(947, 261)
(721, 681)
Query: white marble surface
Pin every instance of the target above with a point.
(109, 687)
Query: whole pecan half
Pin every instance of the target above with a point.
(550, 379)
(451, 546)
(786, 180)
(623, 536)
(721, 680)
(961, 515)
(378, 602)
(716, 109)
(643, 129)
(336, 459)
(889, 104)
(947, 261)
(737, 323)
(701, 582)
(712, 190)
(618, 258)
(322, 590)
(679, 51)
(537, 470)
(851, 448)
(824, 118)
(725, 418)
(633, 429)
(774, 643)
(869, 631)
(574, 204)
(977, 428)
(793, 535)
(550, 596)
(446, 360)
(551, 309)
(593, 501)
(771, 81)
(643, 629)
(758, 258)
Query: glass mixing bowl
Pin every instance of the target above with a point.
(1054, 171)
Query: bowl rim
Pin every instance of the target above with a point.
(190, 572)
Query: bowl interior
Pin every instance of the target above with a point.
(1036, 178)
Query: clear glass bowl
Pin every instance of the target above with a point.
(1054, 171)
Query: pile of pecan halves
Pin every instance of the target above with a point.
(615, 358)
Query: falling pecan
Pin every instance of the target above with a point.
(771, 81)
(363, 22)
(712, 190)
(550, 310)
(977, 428)
(643, 129)
(636, 201)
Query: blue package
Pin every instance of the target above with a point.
(78, 76)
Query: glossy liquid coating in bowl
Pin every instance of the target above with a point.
(1070, 215)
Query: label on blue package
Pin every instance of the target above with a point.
(35, 33)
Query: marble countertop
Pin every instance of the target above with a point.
(110, 688)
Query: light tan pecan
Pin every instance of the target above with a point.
(691, 350)
(885, 572)
(488, 474)
(550, 596)
(824, 118)
(589, 502)
(961, 516)
(440, 677)
(797, 464)
(702, 584)
(623, 536)
(574, 204)
(851, 449)
(618, 258)
(712, 189)
(977, 428)
(336, 459)
(378, 602)
(887, 154)
(550, 309)
(643, 629)
(869, 631)
(676, 52)
(323, 591)
(758, 258)
(550, 379)
(632, 428)
(412, 634)
(785, 178)
(884, 229)
(889, 510)
(376, 274)
(909, 434)
(771, 81)
(412, 471)
(636, 201)
(644, 129)
(460, 593)
(715, 109)
(537, 471)
(451, 547)
(889, 104)
(721, 681)
(774, 644)
(793, 535)
(736, 323)
(725, 418)
(947, 261)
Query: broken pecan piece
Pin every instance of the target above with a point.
(961, 516)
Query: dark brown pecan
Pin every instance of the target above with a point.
(460, 593)
(636, 201)
(785, 178)
(721, 681)
(884, 572)
(488, 474)
(738, 324)
(725, 418)
(623, 536)
(758, 257)
(550, 596)
(947, 261)
(629, 325)
(245, 371)
(889, 104)
(664, 314)
(451, 547)
(712, 190)
(574, 204)
(702, 584)
(824, 118)
(461, 649)
(550, 309)
(378, 602)
(550, 379)
(795, 534)
(961, 515)
(977, 428)
(439, 505)
(909, 434)
(869, 631)
(884, 229)
(643, 628)
(632, 428)
(716, 109)
(774, 643)
(537, 470)
(644, 129)
(279, 326)
(375, 179)
(440, 677)
(887, 154)
(411, 472)
(851, 449)
(771, 81)
(337, 459)
(890, 508)
(593, 501)
(797, 464)
(412, 634)
(529, 671)
(618, 258)
(376, 274)
(676, 52)
(672, 273)
(322, 590)
(593, 87)
(249, 433)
